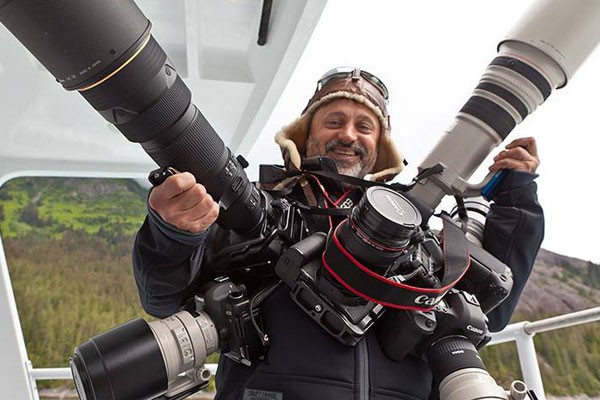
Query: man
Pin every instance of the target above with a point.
(346, 120)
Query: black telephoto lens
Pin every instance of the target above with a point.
(124, 363)
(379, 227)
(104, 50)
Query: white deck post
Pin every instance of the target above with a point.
(529, 365)
(15, 379)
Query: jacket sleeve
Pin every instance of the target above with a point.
(513, 233)
(166, 261)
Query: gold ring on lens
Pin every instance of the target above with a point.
(93, 85)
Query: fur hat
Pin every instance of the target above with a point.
(356, 85)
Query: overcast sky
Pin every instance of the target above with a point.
(431, 55)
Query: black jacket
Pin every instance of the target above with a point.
(303, 361)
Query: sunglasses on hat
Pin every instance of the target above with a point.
(355, 73)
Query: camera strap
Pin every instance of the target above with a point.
(363, 282)
(277, 176)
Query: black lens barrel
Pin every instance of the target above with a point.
(124, 363)
(452, 353)
(136, 86)
(104, 49)
(386, 216)
(77, 41)
(379, 228)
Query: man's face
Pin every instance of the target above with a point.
(347, 132)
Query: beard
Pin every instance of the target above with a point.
(356, 169)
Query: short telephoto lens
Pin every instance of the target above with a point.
(379, 228)
(386, 216)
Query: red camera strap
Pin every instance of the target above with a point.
(363, 282)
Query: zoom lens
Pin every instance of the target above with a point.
(386, 216)
(108, 365)
(104, 50)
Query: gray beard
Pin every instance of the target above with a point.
(345, 169)
(352, 170)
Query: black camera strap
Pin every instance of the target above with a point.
(369, 285)
(273, 175)
(398, 187)
(336, 212)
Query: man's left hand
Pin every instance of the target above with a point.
(519, 155)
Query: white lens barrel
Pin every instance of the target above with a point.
(566, 31)
(470, 384)
(185, 341)
(539, 55)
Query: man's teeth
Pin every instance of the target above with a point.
(345, 152)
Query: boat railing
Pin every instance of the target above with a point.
(521, 332)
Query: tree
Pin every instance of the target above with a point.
(593, 271)
(31, 216)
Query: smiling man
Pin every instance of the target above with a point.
(347, 132)
(346, 121)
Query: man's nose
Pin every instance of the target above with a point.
(348, 134)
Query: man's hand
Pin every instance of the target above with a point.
(519, 155)
(183, 203)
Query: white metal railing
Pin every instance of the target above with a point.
(40, 374)
(521, 332)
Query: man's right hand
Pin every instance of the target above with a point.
(183, 203)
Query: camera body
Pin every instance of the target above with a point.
(403, 332)
(230, 309)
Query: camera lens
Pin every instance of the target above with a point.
(104, 50)
(379, 228)
(92, 40)
(107, 366)
(452, 353)
(460, 372)
(386, 217)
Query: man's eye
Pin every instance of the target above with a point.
(334, 123)
(365, 127)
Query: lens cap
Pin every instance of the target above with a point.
(386, 216)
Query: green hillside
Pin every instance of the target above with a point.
(111, 209)
(68, 246)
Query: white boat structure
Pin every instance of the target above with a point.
(215, 46)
